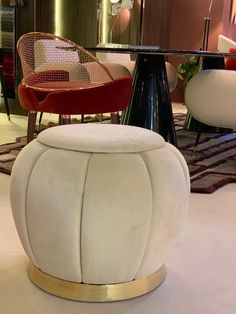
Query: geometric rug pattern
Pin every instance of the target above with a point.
(8, 154)
(212, 166)
(214, 163)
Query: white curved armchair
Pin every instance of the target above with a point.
(125, 60)
(210, 98)
(171, 76)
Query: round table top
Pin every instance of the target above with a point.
(156, 50)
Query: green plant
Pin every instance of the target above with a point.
(187, 69)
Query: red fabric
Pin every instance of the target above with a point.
(230, 63)
(28, 98)
(110, 97)
(8, 73)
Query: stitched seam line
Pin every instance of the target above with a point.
(148, 233)
(26, 197)
(81, 217)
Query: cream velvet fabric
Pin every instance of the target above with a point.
(224, 43)
(124, 59)
(210, 97)
(110, 56)
(129, 65)
(97, 203)
(121, 69)
(101, 138)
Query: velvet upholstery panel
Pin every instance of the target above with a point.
(61, 204)
(115, 206)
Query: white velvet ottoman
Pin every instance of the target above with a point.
(96, 207)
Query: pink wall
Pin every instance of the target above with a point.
(187, 21)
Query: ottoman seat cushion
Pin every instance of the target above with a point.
(101, 138)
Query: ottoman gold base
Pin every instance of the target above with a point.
(95, 293)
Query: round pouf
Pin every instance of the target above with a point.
(96, 207)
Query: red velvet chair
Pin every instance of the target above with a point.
(61, 77)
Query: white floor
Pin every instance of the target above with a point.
(201, 268)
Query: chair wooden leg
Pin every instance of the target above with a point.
(65, 119)
(99, 117)
(196, 143)
(4, 92)
(115, 118)
(40, 120)
(199, 132)
(32, 115)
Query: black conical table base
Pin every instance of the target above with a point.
(150, 105)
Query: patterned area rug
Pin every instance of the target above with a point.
(214, 163)
(213, 166)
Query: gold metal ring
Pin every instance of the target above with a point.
(92, 292)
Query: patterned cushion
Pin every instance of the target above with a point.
(230, 63)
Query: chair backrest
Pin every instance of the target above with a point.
(210, 97)
(125, 60)
(46, 50)
(111, 56)
(46, 57)
(224, 43)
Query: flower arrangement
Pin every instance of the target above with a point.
(187, 69)
(118, 5)
(192, 64)
(108, 15)
(115, 9)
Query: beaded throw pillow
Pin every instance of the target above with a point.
(230, 63)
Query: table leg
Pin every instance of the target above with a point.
(150, 105)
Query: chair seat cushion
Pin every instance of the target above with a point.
(97, 98)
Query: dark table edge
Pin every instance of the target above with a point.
(158, 51)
